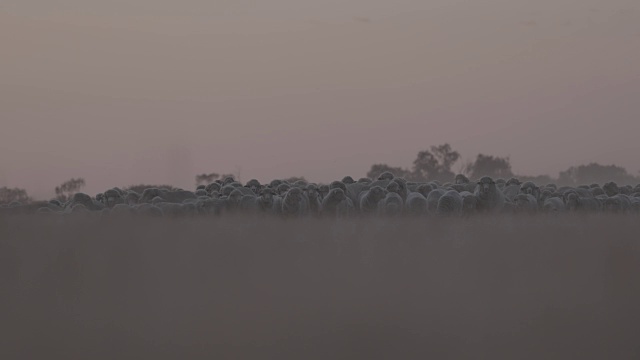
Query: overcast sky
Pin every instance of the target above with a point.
(141, 91)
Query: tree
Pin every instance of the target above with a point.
(596, 173)
(377, 169)
(204, 179)
(65, 191)
(488, 165)
(8, 195)
(435, 164)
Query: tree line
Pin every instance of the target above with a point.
(436, 163)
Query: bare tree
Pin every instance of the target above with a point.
(8, 195)
(436, 163)
(66, 190)
(488, 165)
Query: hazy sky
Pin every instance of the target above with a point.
(155, 91)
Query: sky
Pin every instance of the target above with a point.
(141, 91)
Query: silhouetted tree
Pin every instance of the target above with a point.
(488, 165)
(378, 169)
(65, 191)
(435, 164)
(204, 179)
(8, 195)
(596, 173)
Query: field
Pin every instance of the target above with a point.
(505, 287)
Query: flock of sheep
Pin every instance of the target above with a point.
(385, 196)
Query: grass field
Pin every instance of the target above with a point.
(526, 287)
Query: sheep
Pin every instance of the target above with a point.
(457, 187)
(618, 203)
(424, 189)
(275, 183)
(228, 180)
(249, 203)
(368, 200)
(386, 176)
(432, 200)
(300, 184)
(596, 191)
(173, 209)
(530, 188)
(469, 203)
(201, 192)
(131, 198)
(149, 194)
(266, 200)
(233, 201)
(85, 200)
(553, 205)
(611, 189)
(211, 206)
(253, 185)
(393, 187)
(449, 204)
(460, 179)
(513, 181)
(391, 205)
(416, 204)
(348, 180)
(511, 191)
(525, 203)
(122, 210)
(402, 184)
(354, 190)
(581, 204)
(313, 198)
(459, 197)
(178, 196)
(79, 208)
(382, 183)
(213, 187)
(282, 189)
(323, 190)
(626, 190)
(338, 184)
(294, 203)
(149, 210)
(490, 198)
(336, 204)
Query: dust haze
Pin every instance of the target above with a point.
(514, 287)
(512, 235)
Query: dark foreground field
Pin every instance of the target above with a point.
(487, 288)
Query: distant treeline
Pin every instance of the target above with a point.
(434, 164)
(437, 164)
